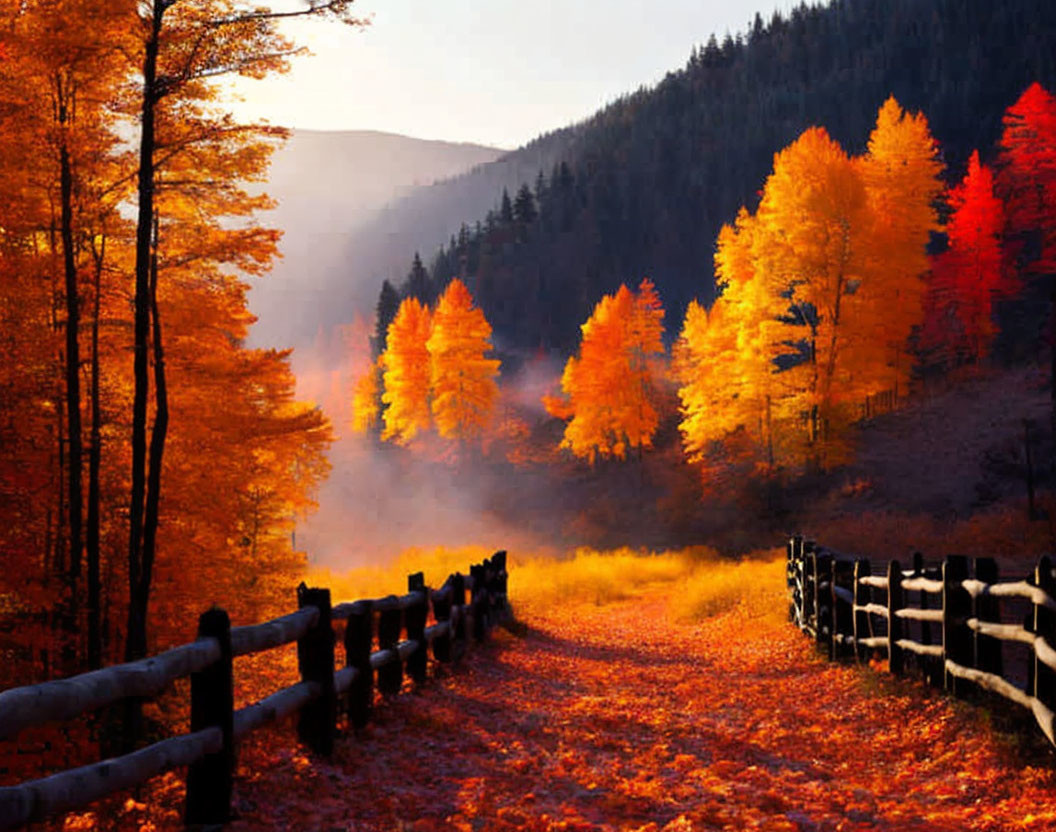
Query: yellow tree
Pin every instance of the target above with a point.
(728, 370)
(463, 379)
(365, 399)
(405, 373)
(610, 386)
(901, 173)
(814, 239)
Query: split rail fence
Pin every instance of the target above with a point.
(376, 657)
(954, 619)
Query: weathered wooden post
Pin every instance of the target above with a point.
(932, 667)
(499, 586)
(414, 616)
(479, 601)
(390, 621)
(458, 614)
(957, 642)
(317, 721)
(359, 638)
(987, 608)
(442, 612)
(213, 703)
(895, 602)
(842, 607)
(823, 599)
(862, 595)
(810, 580)
(1045, 627)
(790, 577)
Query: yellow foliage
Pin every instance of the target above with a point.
(463, 380)
(365, 400)
(901, 174)
(406, 373)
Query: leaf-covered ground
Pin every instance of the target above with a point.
(620, 717)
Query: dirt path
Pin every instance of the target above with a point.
(616, 717)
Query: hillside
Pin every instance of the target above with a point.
(327, 184)
(651, 178)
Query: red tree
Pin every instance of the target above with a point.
(967, 277)
(1028, 182)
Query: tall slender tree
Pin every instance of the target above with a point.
(462, 375)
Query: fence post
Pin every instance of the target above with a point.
(823, 599)
(842, 612)
(810, 595)
(479, 601)
(499, 589)
(987, 608)
(390, 621)
(1045, 627)
(359, 638)
(442, 612)
(862, 595)
(933, 670)
(790, 576)
(415, 615)
(458, 613)
(956, 636)
(895, 602)
(209, 780)
(316, 721)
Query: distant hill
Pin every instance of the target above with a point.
(651, 178)
(327, 184)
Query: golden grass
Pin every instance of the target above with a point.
(756, 587)
(379, 581)
(595, 577)
(705, 583)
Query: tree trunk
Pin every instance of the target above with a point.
(95, 639)
(136, 639)
(157, 435)
(73, 403)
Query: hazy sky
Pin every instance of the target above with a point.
(495, 72)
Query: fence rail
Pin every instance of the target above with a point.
(834, 599)
(395, 625)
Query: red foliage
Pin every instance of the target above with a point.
(967, 277)
(1029, 177)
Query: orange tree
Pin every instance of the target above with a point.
(610, 387)
(462, 377)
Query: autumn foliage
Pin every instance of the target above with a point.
(151, 463)
(435, 373)
(968, 277)
(610, 387)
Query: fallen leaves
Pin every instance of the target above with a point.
(625, 717)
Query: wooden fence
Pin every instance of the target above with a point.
(954, 619)
(373, 646)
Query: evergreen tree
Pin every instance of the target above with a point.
(385, 311)
(506, 209)
(417, 284)
(524, 206)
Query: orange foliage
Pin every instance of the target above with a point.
(611, 386)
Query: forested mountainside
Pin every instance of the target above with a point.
(325, 183)
(643, 187)
(422, 220)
